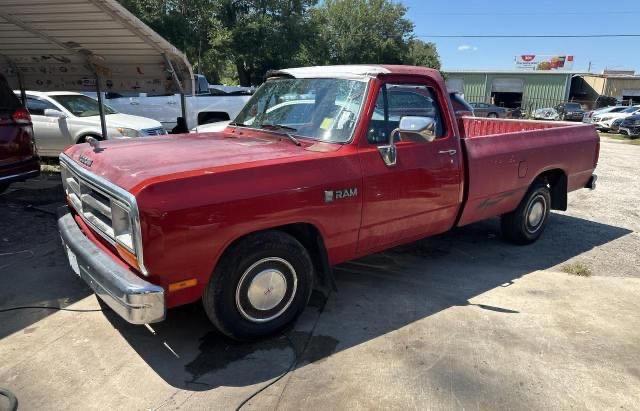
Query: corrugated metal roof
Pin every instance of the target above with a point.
(57, 45)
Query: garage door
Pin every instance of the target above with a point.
(507, 85)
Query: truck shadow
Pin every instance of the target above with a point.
(33, 267)
(376, 295)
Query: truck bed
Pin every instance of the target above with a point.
(505, 156)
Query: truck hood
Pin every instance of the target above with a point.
(133, 163)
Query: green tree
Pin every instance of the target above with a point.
(361, 31)
(259, 35)
(240, 40)
(422, 54)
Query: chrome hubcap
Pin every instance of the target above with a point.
(536, 214)
(267, 289)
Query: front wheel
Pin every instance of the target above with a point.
(526, 223)
(492, 115)
(3, 188)
(260, 285)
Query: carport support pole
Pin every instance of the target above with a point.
(23, 92)
(178, 84)
(103, 120)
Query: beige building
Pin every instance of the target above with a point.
(622, 86)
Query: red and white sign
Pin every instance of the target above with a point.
(535, 62)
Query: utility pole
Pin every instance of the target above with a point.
(589, 70)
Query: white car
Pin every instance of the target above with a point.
(604, 121)
(588, 117)
(63, 118)
(547, 113)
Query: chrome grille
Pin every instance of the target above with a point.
(158, 131)
(106, 208)
(90, 202)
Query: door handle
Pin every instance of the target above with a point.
(450, 152)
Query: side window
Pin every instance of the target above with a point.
(36, 106)
(402, 100)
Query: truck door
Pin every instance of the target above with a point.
(420, 194)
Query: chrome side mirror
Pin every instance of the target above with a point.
(421, 127)
(424, 127)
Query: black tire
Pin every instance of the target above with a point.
(272, 256)
(492, 115)
(3, 188)
(526, 223)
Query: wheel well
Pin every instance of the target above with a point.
(557, 181)
(311, 238)
(205, 117)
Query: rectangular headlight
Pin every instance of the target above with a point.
(122, 227)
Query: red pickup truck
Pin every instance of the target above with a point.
(323, 165)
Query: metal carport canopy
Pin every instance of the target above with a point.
(67, 44)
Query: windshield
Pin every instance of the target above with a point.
(574, 107)
(321, 109)
(81, 106)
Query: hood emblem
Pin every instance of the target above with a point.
(85, 160)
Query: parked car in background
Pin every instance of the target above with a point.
(249, 219)
(588, 117)
(18, 160)
(516, 113)
(62, 118)
(547, 113)
(615, 125)
(488, 110)
(630, 126)
(604, 122)
(208, 104)
(570, 111)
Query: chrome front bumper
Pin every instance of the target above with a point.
(134, 299)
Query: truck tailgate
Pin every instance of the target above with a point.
(504, 157)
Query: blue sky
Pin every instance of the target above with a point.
(477, 17)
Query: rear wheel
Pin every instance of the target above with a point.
(526, 223)
(260, 285)
(492, 115)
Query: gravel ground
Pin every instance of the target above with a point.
(458, 321)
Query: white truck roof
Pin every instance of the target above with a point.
(349, 72)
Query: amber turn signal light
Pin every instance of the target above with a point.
(182, 284)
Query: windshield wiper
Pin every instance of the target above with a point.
(283, 127)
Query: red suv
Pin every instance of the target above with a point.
(18, 160)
